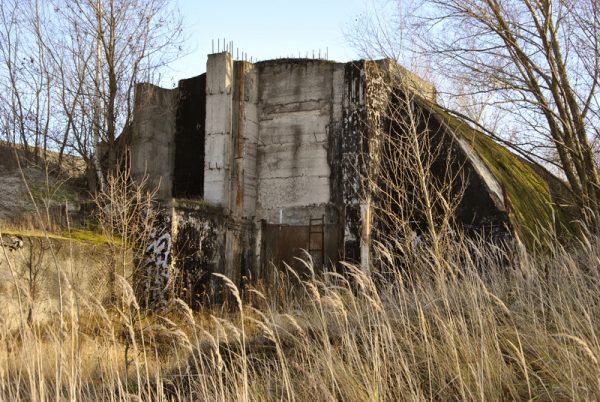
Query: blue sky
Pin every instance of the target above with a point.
(266, 29)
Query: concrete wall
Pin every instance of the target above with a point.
(284, 141)
(295, 111)
(352, 143)
(152, 143)
(80, 269)
(244, 140)
(283, 144)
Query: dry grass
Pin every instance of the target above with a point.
(499, 330)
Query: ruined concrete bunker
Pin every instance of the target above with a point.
(259, 163)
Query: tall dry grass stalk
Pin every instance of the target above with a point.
(501, 329)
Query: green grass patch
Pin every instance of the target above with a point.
(91, 237)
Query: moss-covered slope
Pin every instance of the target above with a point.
(541, 204)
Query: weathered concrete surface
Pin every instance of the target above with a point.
(283, 142)
(198, 248)
(152, 143)
(35, 280)
(295, 112)
(217, 153)
(353, 145)
(248, 120)
(154, 278)
(408, 79)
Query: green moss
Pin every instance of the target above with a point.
(75, 235)
(91, 237)
(541, 203)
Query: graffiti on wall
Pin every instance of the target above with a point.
(157, 272)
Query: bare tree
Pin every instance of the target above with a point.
(538, 60)
(26, 79)
(34, 270)
(68, 70)
(111, 45)
(127, 214)
(528, 69)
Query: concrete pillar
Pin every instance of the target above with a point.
(249, 120)
(230, 150)
(153, 139)
(242, 180)
(354, 134)
(217, 151)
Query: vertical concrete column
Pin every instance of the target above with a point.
(250, 166)
(238, 141)
(249, 120)
(354, 132)
(244, 141)
(217, 151)
(242, 183)
(153, 139)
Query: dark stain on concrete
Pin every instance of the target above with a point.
(354, 132)
(296, 130)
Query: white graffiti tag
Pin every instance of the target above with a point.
(158, 254)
